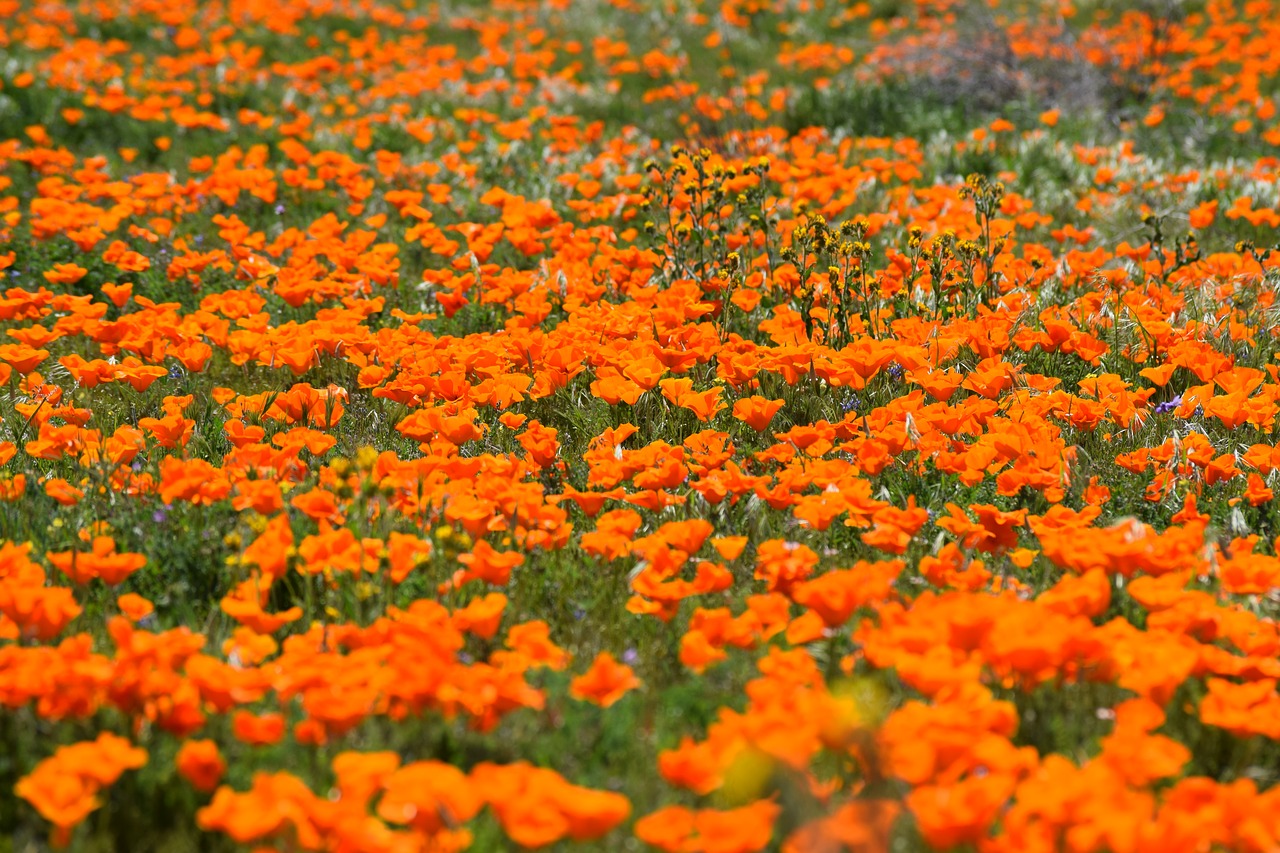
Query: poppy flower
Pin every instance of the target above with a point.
(201, 764)
(482, 616)
(258, 730)
(756, 412)
(64, 787)
(605, 681)
(429, 795)
(742, 830)
(486, 563)
(65, 274)
(134, 607)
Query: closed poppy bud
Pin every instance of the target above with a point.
(201, 764)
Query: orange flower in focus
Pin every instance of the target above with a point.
(756, 412)
(730, 547)
(22, 357)
(118, 293)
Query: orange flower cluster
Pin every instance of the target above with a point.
(64, 787)
(430, 800)
(425, 411)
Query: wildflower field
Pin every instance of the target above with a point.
(620, 425)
